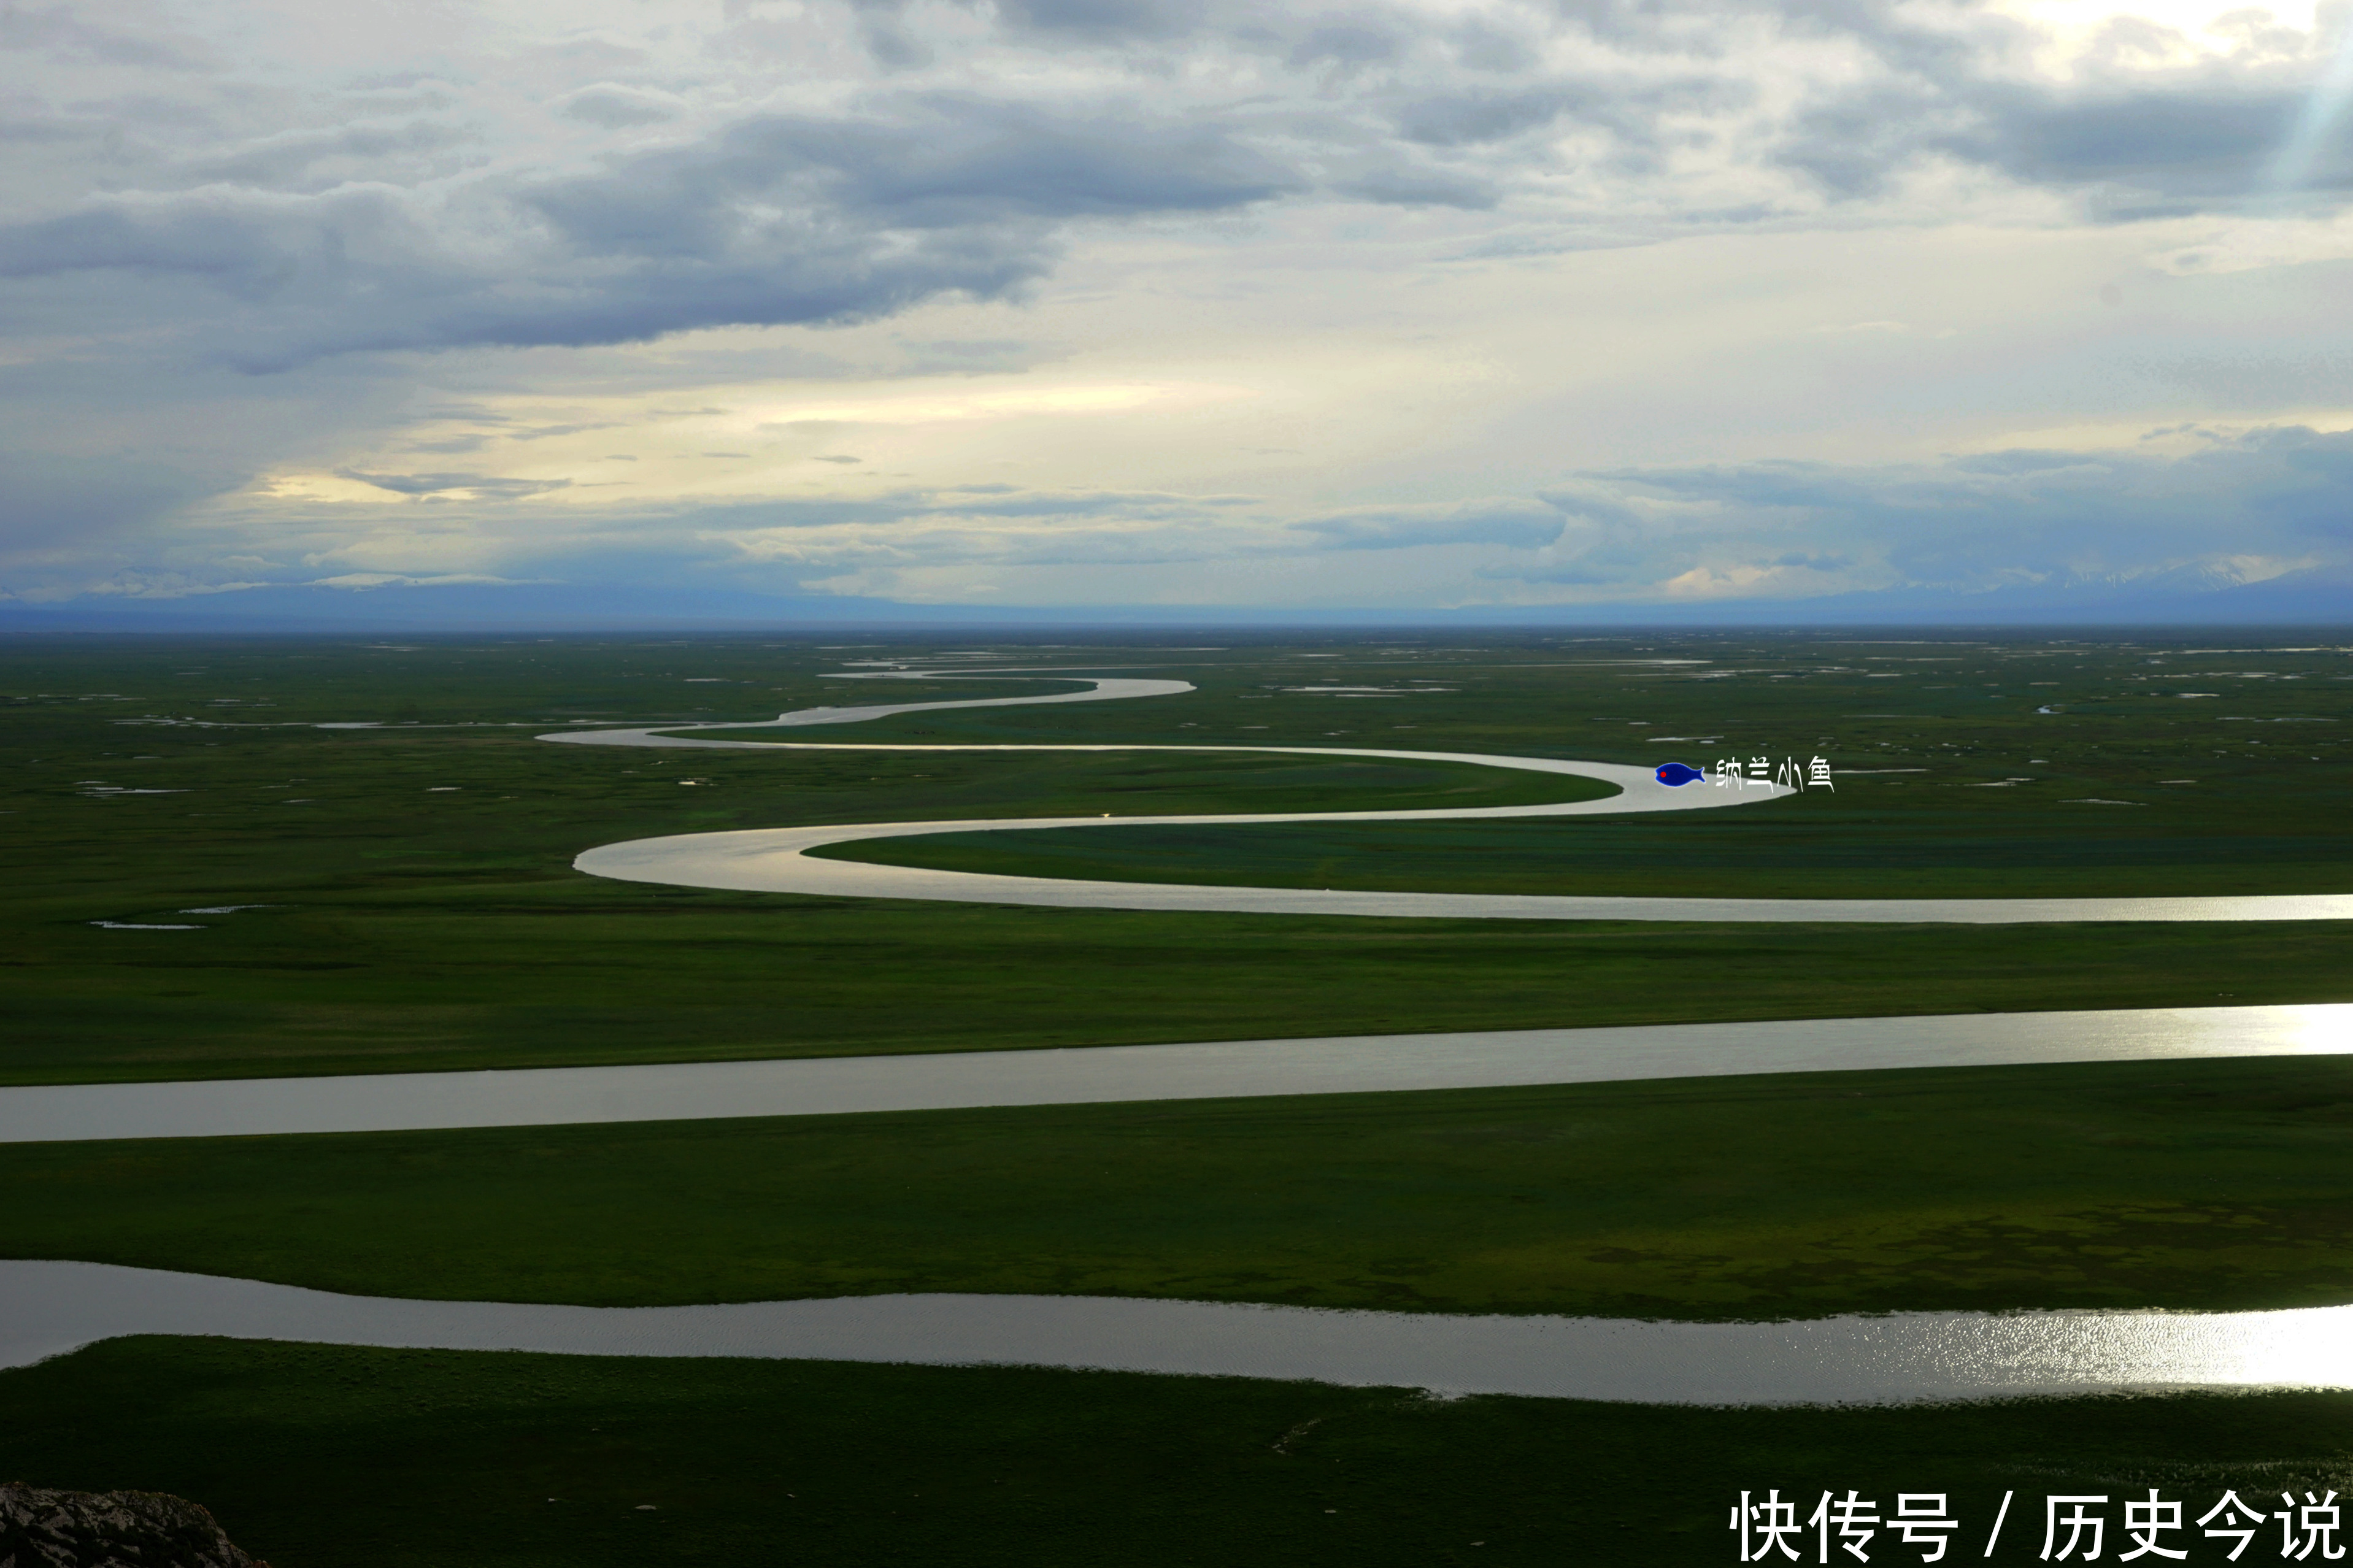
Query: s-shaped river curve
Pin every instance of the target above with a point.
(52, 1306)
(776, 860)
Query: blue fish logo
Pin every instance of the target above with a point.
(1676, 774)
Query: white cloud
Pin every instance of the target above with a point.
(1132, 297)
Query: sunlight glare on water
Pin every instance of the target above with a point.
(49, 1307)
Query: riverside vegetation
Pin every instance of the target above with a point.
(317, 1455)
(410, 902)
(2191, 1185)
(418, 912)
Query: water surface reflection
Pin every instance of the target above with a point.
(1352, 1064)
(49, 1307)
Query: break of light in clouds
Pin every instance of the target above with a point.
(1066, 302)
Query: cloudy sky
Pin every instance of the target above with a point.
(1064, 302)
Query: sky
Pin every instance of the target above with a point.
(1388, 305)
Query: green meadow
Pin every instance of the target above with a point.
(2187, 1184)
(409, 900)
(414, 1459)
(398, 898)
(1979, 771)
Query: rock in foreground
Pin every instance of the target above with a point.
(45, 1529)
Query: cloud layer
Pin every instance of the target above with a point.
(2246, 507)
(512, 288)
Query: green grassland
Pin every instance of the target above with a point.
(2190, 1184)
(416, 1459)
(544, 970)
(2133, 785)
(1795, 847)
(421, 911)
(418, 910)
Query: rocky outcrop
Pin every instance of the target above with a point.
(45, 1529)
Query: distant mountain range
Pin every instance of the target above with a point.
(2320, 597)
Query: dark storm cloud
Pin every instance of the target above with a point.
(2158, 151)
(2136, 151)
(301, 243)
(773, 220)
(2135, 141)
(946, 161)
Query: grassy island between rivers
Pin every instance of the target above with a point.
(2195, 1184)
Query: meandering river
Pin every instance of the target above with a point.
(776, 860)
(47, 1307)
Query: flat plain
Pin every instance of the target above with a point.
(205, 883)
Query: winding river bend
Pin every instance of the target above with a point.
(48, 1308)
(776, 860)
